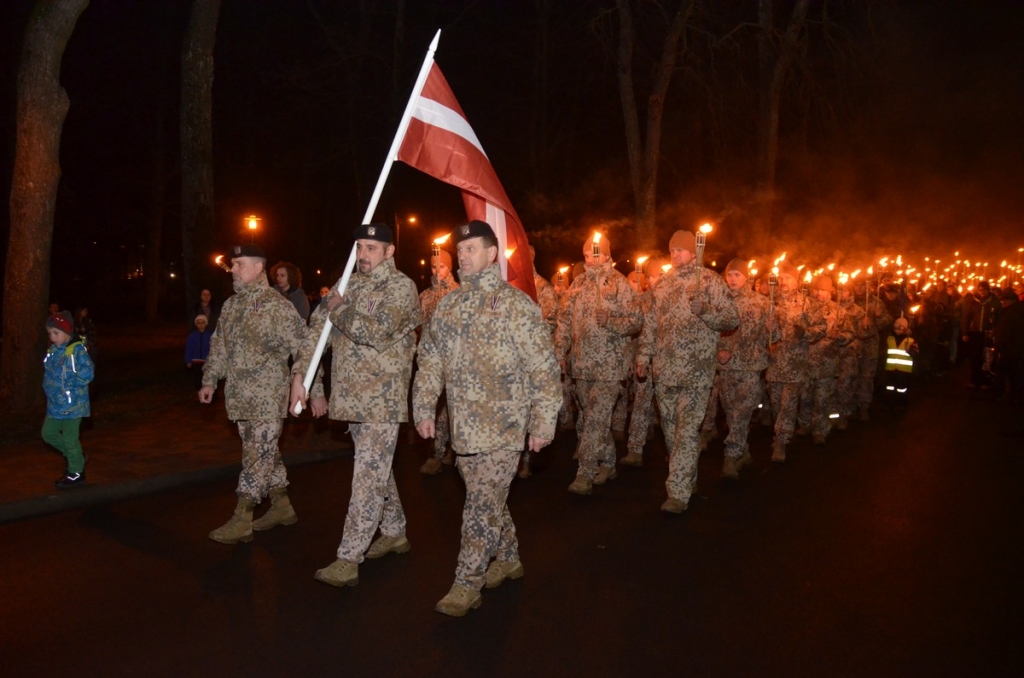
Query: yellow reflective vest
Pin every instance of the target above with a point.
(898, 355)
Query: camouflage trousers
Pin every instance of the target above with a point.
(620, 413)
(596, 447)
(785, 397)
(817, 404)
(864, 389)
(846, 385)
(262, 469)
(740, 393)
(442, 428)
(682, 410)
(565, 412)
(640, 421)
(374, 501)
(711, 413)
(487, 528)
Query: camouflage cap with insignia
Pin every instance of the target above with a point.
(378, 232)
(248, 251)
(474, 229)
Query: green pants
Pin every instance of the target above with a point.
(63, 434)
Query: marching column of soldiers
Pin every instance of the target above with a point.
(496, 374)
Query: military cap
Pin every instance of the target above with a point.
(248, 251)
(474, 229)
(739, 266)
(683, 240)
(442, 257)
(378, 232)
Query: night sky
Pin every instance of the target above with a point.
(901, 127)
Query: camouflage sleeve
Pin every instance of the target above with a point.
(563, 327)
(548, 304)
(648, 335)
(429, 381)
(720, 313)
(626, 319)
(537, 357)
(215, 367)
(847, 329)
(814, 322)
(380, 322)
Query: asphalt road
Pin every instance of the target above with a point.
(896, 550)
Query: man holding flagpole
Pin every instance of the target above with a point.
(373, 346)
(489, 347)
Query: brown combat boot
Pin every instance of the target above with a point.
(239, 526)
(460, 600)
(779, 452)
(673, 505)
(581, 486)
(632, 459)
(279, 513)
(339, 573)
(384, 545)
(524, 467)
(500, 570)
(449, 457)
(604, 474)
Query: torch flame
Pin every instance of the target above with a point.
(597, 237)
(831, 267)
(443, 239)
(914, 309)
(883, 262)
(899, 259)
(705, 228)
(807, 278)
(753, 271)
(855, 274)
(640, 260)
(563, 270)
(782, 257)
(775, 270)
(509, 252)
(665, 268)
(843, 278)
(871, 270)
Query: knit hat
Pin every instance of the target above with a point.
(604, 245)
(652, 267)
(378, 232)
(737, 265)
(442, 257)
(822, 282)
(683, 240)
(61, 320)
(786, 268)
(203, 317)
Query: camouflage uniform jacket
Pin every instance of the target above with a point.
(677, 341)
(256, 332)
(748, 343)
(597, 353)
(489, 347)
(823, 354)
(372, 349)
(856, 315)
(787, 362)
(430, 297)
(547, 299)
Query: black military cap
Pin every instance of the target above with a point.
(474, 229)
(248, 251)
(380, 232)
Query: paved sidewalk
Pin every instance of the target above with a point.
(148, 433)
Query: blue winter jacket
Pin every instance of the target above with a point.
(67, 371)
(197, 346)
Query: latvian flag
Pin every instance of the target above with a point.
(441, 143)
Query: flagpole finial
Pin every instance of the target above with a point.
(433, 43)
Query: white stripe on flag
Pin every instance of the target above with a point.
(439, 115)
(496, 218)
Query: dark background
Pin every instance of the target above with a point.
(900, 130)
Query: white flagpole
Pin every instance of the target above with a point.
(396, 144)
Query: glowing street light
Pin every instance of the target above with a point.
(252, 224)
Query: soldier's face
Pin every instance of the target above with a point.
(440, 269)
(735, 280)
(246, 269)
(589, 260)
(473, 256)
(787, 283)
(680, 257)
(371, 253)
(822, 295)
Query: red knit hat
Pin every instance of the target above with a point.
(61, 320)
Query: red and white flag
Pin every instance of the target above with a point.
(441, 143)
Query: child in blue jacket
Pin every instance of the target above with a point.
(197, 347)
(67, 371)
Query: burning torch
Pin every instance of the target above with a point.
(702, 235)
(219, 260)
(561, 276)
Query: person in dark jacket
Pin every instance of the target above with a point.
(67, 371)
(287, 278)
(197, 347)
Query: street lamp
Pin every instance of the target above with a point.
(252, 224)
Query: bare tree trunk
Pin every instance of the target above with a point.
(773, 75)
(644, 157)
(197, 206)
(42, 107)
